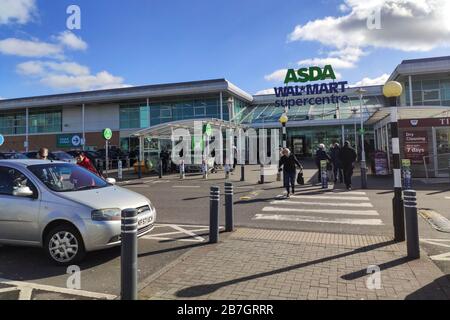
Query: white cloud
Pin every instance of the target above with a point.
(372, 81)
(68, 75)
(266, 91)
(407, 25)
(29, 48)
(71, 41)
(278, 75)
(101, 80)
(337, 63)
(17, 11)
(41, 68)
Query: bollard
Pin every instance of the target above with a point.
(229, 219)
(411, 224)
(242, 172)
(128, 261)
(160, 169)
(261, 175)
(214, 215)
(324, 174)
(205, 170)
(119, 170)
(182, 170)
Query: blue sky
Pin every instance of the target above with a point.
(142, 42)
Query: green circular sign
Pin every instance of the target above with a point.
(107, 134)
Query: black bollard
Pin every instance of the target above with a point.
(214, 215)
(160, 169)
(411, 224)
(229, 223)
(243, 172)
(261, 174)
(129, 253)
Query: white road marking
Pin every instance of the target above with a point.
(185, 187)
(440, 243)
(326, 211)
(180, 231)
(368, 222)
(334, 204)
(137, 186)
(326, 197)
(26, 289)
(356, 193)
(448, 198)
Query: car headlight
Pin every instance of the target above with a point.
(113, 214)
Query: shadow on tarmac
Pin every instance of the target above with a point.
(200, 290)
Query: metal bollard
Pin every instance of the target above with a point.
(411, 224)
(242, 172)
(214, 215)
(128, 261)
(182, 170)
(160, 169)
(229, 219)
(261, 175)
(119, 170)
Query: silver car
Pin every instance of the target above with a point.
(64, 208)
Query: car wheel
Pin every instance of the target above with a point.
(64, 245)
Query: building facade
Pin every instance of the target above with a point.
(76, 120)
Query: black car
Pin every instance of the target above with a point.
(12, 156)
(54, 155)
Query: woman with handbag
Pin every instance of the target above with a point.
(288, 164)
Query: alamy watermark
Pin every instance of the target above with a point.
(74, 279)
(73, 22)
(373, 282)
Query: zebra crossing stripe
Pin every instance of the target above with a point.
(295, 218)
(356, 193)
(326, 204)
(325, 211)
(329, 197)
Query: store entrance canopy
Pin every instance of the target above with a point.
(164, 130)
(416, 112)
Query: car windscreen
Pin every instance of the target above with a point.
(61, 177)
(13, 156)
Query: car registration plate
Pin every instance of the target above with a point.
(142, 222)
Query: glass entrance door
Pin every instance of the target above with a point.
(442, 161)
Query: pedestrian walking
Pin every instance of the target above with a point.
(321, 155)
(348, 157)
(338, 174)
(288, 164)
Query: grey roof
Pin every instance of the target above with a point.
(421, 66)
(121, 94)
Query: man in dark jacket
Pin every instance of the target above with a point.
(288, 163)
(348, 157)
(321, 155)
(336, 161)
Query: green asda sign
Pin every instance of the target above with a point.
(69, 140)
(310, 74)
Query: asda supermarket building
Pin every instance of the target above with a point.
(76, 120)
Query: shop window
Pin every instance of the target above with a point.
(431, 95)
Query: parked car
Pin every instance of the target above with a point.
(53, 155)
(64, 208)
(12, 155)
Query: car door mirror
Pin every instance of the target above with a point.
(111, 181)
(22, 191)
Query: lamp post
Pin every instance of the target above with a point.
(392, 90)
(355, 110)
(283, 120)
(361, 92)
